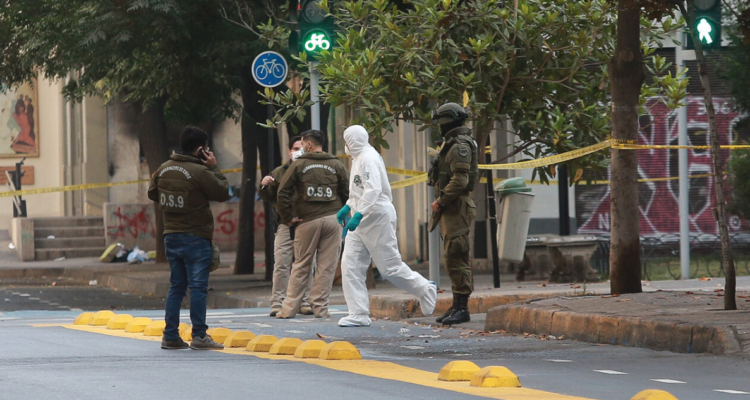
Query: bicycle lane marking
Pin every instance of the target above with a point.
(372, 368)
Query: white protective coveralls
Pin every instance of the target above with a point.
(375, 237)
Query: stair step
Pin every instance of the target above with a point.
(73, 242)
(52, 222)
(51, 254)
(69, 232)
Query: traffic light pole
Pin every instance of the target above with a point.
(315, 96)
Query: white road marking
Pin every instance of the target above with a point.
(294, 331)
(729, 391)
(33, 298)
(413, 347)
(262, 325)
(560, 361)
(667, 381)
(610, 372)
(24, 295)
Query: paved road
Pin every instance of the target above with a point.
(54, 362)
(75, 298)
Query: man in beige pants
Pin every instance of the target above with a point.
(283, 244)
(321, 184)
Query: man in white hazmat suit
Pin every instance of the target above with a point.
(372, 234)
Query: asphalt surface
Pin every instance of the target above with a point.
(77, 298)
(54, 362)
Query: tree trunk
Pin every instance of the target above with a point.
(720, 212)
(627, 75)
(152, 135)
(253, 113)
(266, 167)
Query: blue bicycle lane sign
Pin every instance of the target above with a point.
(270, 69)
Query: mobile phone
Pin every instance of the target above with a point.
(202, 153)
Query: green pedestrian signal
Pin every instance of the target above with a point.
(707, 24)
(704, 31)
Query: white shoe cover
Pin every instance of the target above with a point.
(353, 321)
(428, 301)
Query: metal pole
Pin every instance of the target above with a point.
(684, 202)
(562, 201)
(493, 224)
(272, 223)
(315, 96)
(433, 244)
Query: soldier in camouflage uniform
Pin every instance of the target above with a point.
(454, 174)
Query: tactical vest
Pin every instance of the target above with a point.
(462, 136)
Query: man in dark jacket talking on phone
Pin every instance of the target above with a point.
(182, 189)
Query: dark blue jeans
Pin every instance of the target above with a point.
(189, 262)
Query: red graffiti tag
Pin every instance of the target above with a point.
(133, 226)
(227, 223)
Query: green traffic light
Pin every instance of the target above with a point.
(704, 31)
(316, 41)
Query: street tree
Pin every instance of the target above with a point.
(737, 74)
(166, 61)
(547, 66)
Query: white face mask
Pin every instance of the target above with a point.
(296, 154)
(346, 150)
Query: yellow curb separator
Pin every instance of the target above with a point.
(458, 370)
(119, 321)
(155, 329)
(310, 349)
(262, 343)
(495, 377)
(340, 351)
(138, 325)
(84, 319)
(653, 394)
(101, 318)
(219, 335)
(239, 339)
(285, 346)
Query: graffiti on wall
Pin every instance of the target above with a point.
(658, 200)
(131, 222)
(135, 225)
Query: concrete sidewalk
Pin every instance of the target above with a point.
(690, 319)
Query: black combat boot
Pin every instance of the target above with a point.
(450, 310)
(461, 313)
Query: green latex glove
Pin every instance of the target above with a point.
(343, 213)
(354, 222)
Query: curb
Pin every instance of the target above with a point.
(669, 335)
(400, 307)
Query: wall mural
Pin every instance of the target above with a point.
(659, 199)
(19, 121)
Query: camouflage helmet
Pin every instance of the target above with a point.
(449, 112)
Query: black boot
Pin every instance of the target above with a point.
(450, 310)
(461, 313)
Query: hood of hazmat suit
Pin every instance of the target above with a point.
(375, 238)
(369, 189)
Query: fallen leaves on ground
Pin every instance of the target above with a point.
(705, 278)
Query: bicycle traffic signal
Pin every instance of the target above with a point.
(316, 29)
(707, 25)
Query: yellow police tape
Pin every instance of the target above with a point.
(87, 186)
(421, 176)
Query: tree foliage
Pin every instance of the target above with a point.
(541, 64)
